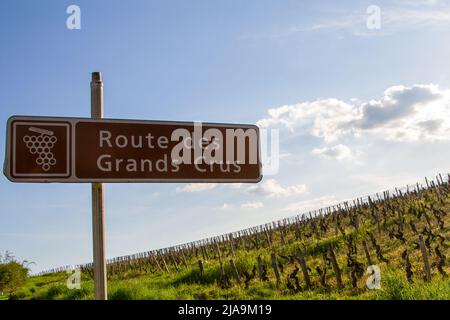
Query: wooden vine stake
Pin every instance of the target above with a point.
(156, 261)
(260, 268)
(301, 260)
(269, 243)
(426, 262)
(337, 271)
(236, 271)
(222, 271)
(165, 264)
(174, 261)
(275, 267)
(200, 266)
(183, 258)
(366, 251)
(336, 226)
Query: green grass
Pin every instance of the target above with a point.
(188, 283)
(394, 287)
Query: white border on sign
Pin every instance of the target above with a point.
(65, 174)
(72, 178)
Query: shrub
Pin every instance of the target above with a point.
(54, 291)
(13, 276)
(78, 294)
(17, 296)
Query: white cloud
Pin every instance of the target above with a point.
(417, 3)
(285, 155)
(322, 118)
(418, 112)
(398, 102)
(224, 206)
(338, 152)
(411, 16)
(272, 188)
(308, 205)
(403, 19)
(407, 15)
(252, 205)
(382, 182)
(234, 185)
(196, 187)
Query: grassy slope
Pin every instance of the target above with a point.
(188, 284)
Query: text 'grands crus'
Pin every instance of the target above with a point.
(211, 148)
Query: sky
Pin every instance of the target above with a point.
(360, 107)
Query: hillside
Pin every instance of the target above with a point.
(322, 255)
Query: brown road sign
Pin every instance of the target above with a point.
(50, 149)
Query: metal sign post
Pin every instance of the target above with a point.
(98, 212)
(96, 150)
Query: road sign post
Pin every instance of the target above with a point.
(96, 150)
(98, 211)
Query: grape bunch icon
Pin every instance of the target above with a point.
(42, 145)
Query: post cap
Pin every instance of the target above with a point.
(96, 76)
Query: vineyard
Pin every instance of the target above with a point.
(324, 254)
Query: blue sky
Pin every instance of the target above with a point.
(358, 110)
